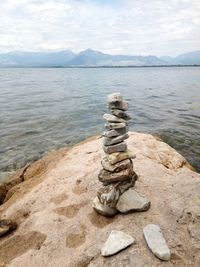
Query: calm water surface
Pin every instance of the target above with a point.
(44, 109)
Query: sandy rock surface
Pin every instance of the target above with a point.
(57, 225)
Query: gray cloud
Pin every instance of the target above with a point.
(121, 26)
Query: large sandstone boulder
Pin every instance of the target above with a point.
(57, 225)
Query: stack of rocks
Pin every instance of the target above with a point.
(117, 174)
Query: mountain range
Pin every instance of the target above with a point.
(92, 58)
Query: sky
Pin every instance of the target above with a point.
(134, 27)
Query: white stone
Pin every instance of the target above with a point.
(156, 242)
(131, 200)
(116, 241)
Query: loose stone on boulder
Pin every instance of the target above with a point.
(156, 242)
(131, 200)
(116, 242)
(120, 147)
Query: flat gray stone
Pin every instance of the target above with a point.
(111, 177)
(131, 200)
(119, 166)
(156, 242)
(115, 132)
(103, 209)
(120, 147)
(120, 114)
(113, 118)
(115, 125)
(115, 140)
(116, 242)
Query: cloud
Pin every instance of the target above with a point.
(121, 26)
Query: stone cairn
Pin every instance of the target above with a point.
(117, 174)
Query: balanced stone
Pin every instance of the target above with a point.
(119, 166)
(120, 114)
(113, 118)
(116, 242)
(115, 132)
(132, 201)
(112, 141)
(119, 156)
(123, 105)
(109, 177)
(121, 147)
(108, 195)
(117, 175)
(103, 209)
(114, 97)
(156, 242)
(115, 125)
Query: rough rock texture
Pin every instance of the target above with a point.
(116, 241)
(156, 241)
(57, 225)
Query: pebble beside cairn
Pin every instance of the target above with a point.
(117, 174)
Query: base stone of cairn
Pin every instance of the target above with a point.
(117, 175)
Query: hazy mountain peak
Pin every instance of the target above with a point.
(90, 57)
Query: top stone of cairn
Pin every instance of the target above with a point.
(115, 101)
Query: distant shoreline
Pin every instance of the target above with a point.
(96, 67)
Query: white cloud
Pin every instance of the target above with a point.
(113, 26)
